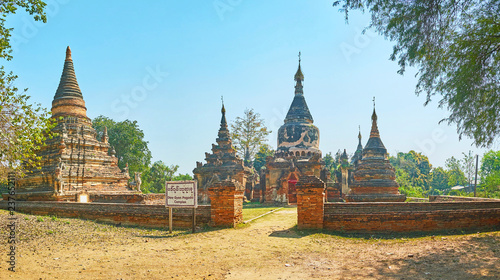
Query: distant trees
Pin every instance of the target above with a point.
(469, 167)
(412, 172)
(416, 176)
(249, 133)
(439, 179)
(456, 176)
(153, 180)
(490, 174)
(416, 165)
(128, 141)
(332, 163)
(260, 158)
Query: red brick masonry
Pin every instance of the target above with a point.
(226, 203)
(116, 213)
(310, 201)
(411, 217)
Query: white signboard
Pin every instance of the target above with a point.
(181, 194)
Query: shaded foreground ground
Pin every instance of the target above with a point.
(268, 248)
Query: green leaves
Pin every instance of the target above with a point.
(456, 176)
(456, 47)
(128, 140)
(260, 158)
(249, 133)
(24, 127)
(155, 177)
(7, 7)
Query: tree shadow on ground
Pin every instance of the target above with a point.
(477, 258)
(287, 233)
(294, 232)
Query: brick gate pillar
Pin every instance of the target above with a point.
(310, 202)
(226, 203)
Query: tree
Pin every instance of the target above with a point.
(155, 177)
(260, 158)
(490, 175)
(490, 163)
(128, 141)
(330, 162)
(7, 7)
(468, 163)
(405, 185)
(249, 133)
(24, 127)
(439, 180)
(416, 165)
(456, 176)
(455, 44)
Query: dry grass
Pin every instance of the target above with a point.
(269, 248)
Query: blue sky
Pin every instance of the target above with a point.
(167, 63)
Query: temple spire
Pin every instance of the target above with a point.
(68, 85)
(223, 122)
(68, 100)
(68, 54)
(374, 132)
(299, 78)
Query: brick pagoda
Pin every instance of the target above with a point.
(222, 164)
(298, 152)
(374, 176)
(73, 161)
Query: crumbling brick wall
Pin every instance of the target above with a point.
(411, 217)
(116, 213)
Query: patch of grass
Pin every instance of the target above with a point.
(54, 218)
(39, 219)
(26, 218)
(67, 222)
(242, 225)
(50, 232)
(250, 213)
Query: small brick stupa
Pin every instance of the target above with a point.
(222, 164)
(74, 161)
(374, 177)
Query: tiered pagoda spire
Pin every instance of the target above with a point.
(375, 177)
(298, 136)
(359, 150)
(299, 112)
(68, 100)
(222, 163)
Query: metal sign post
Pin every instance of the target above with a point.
(170, 219)
(181, 194)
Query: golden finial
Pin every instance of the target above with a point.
(299, 76)
(223, 109)
(68, 53)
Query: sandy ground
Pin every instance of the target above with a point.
(268, 248)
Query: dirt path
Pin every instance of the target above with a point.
(268, 248)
